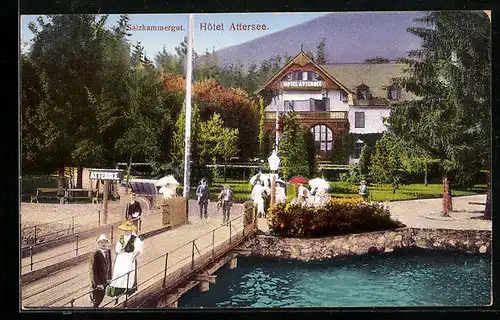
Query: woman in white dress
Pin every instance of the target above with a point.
(127, 249)
(280, 194)
(256, 196)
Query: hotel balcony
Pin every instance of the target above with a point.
(271, 115)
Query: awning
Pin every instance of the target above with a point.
(144, 186)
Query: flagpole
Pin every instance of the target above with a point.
(187, 136)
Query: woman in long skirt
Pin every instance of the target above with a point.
(127, 249)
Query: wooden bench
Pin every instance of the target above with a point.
(48, 193)
(81, 194)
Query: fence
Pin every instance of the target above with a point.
(173, 263)
(32, 238)
(77, 249)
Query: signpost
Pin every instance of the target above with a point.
(106, 175)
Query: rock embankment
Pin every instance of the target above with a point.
(467, 241)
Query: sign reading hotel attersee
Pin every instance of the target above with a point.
(302, 84)
(105, 174)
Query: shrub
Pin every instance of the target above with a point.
(339, 216)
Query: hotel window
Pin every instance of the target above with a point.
(343, 96)
(358, 148)
(363, 92)
(323, 138)
(303, 76)
(359, 119)
(394, 93)
(289, 106)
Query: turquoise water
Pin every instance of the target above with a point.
(388, 280)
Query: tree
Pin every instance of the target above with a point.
(68, 53)
(386, 166)
(451, 76)
(294, 161)
(320, 53)
(216, 141)
(377, 60)
(262, 112)
(365, 160)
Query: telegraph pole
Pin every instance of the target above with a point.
(187, 135)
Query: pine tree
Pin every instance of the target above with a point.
(451, 75)
(320, 52)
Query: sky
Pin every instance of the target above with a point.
(204, 39)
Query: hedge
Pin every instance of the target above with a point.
(338, 217)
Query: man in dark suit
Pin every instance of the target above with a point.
(134, 211)
(100, 270)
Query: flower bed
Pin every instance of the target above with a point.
(339, 216)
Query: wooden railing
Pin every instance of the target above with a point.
(271, 115)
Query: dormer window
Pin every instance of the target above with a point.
(394, 93)
(344, 96)
(363, 92)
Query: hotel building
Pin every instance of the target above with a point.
(334, 99)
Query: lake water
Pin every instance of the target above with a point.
(414, 278)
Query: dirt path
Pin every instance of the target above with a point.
(427, 213)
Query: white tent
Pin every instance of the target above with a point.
(167, 180)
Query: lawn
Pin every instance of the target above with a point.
(384, 192)
(378, 192)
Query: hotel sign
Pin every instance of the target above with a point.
(105, 174)
(302, 84)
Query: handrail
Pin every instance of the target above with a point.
(192, 242)
(58, 254)
(72, 226)
(43, 224)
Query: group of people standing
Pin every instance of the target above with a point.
(225, 200)
(261, 192)
(122, 279)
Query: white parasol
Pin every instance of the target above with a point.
(280, 183)
(319, 183)
(167, 180)
(255, 178)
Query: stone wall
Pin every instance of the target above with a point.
(469, 241)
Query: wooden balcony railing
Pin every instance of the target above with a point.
(313, 115)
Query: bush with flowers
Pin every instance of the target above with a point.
(339, 216)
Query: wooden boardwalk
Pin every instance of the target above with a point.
(194, 242)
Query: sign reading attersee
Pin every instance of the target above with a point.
(106, 174)
(302, 84)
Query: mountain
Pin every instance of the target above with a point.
(350, 37)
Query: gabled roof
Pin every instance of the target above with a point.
(302, 59)
(376, 76)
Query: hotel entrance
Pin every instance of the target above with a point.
(323, 141)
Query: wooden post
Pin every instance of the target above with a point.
(446, 195)
(192, 256)
(213, 242)
(76, 251)
(31, 258)
(165, 270)
(105, 200)
(233, 263)
(204, 286)
(273, 190)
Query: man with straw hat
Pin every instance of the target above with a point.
(100, 270)
(128, 247)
